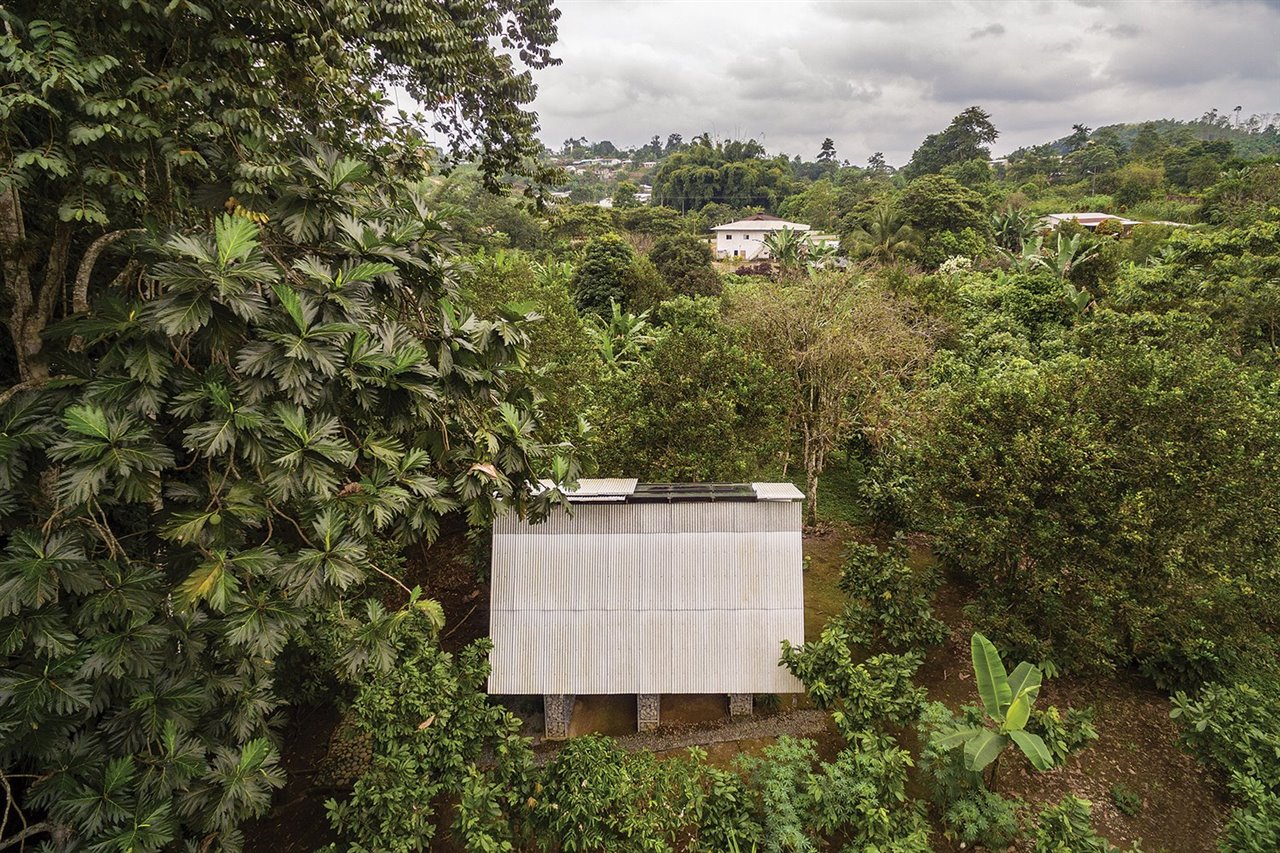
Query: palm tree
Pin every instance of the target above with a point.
(886, 237)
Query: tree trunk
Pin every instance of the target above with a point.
(995, 772)
(812, 468)
(17, 282)
(33, 306)
(811, 496)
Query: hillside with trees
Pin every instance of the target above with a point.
(277, 354)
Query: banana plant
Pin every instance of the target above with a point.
(1007, 701)
(1078, 298)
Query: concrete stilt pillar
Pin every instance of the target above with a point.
(557, 711)
(740, 704)
(648, 711)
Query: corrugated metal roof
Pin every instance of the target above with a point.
(683, 597)
(598, 489)
(777, 492)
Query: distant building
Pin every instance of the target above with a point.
(746, 238)
(1088, 220)
(648, 589)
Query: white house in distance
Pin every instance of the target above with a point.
(648, 589)
(745, 238)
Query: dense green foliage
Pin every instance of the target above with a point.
(1236, 727)
(696, 406)
(242, 378)
(1066, 828)
(970, 811)
(685, 264)
(1114, 500)
(732, 173)
(228, 441)
(428, 726)
(861, 796)
(889, 602)
(123, 114)
(601, 278)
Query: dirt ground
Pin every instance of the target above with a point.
(1183, 805)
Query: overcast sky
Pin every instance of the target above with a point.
(877, 75)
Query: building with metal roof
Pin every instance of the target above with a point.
(1089, 220)
(648, 589)
(745, 238)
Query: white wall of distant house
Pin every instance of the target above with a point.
(748, 245)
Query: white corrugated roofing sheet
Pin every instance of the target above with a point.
(599, 489)
(648, 598)
(777, 492)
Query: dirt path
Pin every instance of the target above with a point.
(756, 730)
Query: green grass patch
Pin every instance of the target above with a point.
(839, 491)
(823, 557)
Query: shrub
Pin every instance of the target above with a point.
(889, 602)
(684, 261)
(860, 796)
(601, 277)
(1066, 828)
(867, 695)
(697, 406)
(1237, 727)
(984, 818)
(1113, 502)
(1254, 826)
(1064, 734)
(970, 812)
(644, 287)
(595, 796)
(429, 723)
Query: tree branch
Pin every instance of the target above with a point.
(27, 385)
(34, 829)
(80, 296)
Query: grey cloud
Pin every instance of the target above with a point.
(881, 75)
(1123, 31)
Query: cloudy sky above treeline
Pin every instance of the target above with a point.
(878, 75)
